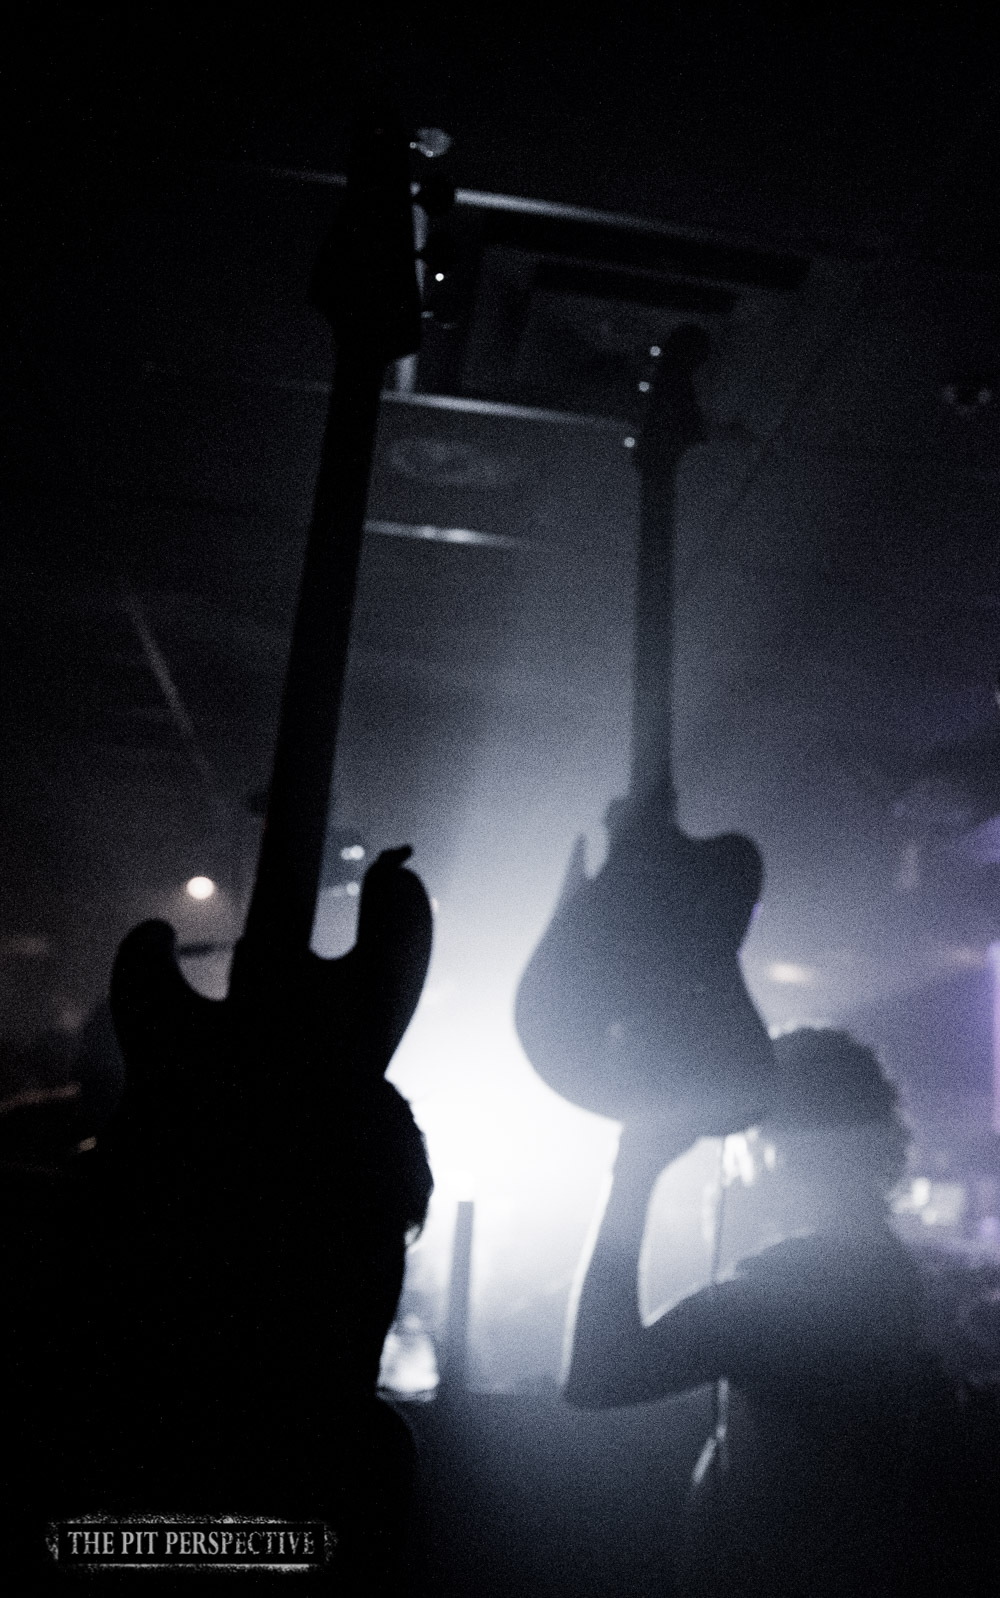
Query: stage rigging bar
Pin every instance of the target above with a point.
(553, 227)
(461, 405)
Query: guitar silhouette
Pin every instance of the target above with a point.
(260, 1172)
(633, 1003)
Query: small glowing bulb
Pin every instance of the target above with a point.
(644, 387)
(352, 851)
(439, 277)
(629, 442)
(200, 887)
(654, 350)
(353, 889)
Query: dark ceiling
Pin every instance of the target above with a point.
(820, 197)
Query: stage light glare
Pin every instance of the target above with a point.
(199, 887)
(409, 1366)
(461, 1182)
(737, 1160)
(787, 972)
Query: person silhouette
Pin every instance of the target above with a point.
(842, 1460)
(197, 1315)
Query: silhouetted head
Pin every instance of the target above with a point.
(382, 1161)
(836, 1125)
(409, 1184)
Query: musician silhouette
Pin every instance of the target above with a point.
(223, 1355)
(842, 1462)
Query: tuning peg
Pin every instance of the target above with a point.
(440, 254)
(431, 142)
(435, 194)
(437, 319)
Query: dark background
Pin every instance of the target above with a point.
(821, 194)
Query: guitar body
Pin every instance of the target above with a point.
(261, 1177)
(633, 1003)
(256, 1189)
(331, 1022)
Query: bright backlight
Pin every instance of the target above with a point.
(787, 972)
(200, 887)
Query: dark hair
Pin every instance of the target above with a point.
(827, 1080)
(391, 1163)
(414, 1182)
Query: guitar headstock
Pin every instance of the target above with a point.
(366, 280)
(672, 421)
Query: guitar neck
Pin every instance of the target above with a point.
(365, 284)
(283, 902)
(673, 424)
(652, 698)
